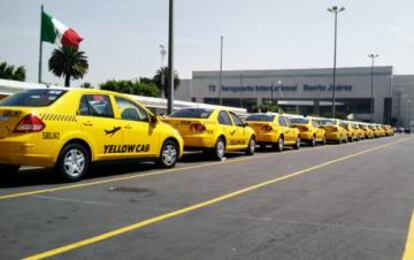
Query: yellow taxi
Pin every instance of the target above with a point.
(388, 130)
(309, 130)
(71, 128)
(213, 131)
(378, 131)
(351, 133)
(334, 130)
(360, 133)
(274, 129)
(368, 132)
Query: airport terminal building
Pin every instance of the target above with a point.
(309, 91)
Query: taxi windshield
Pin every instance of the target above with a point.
(298, 121)
(192, 113)
(33, 98)
(260, 118)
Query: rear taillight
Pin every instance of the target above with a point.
(30, 123)
(198, 128)
(266, 128)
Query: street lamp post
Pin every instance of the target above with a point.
(335, 10)
(408, 113)
(171, 59)
(221, 69)
(372, 57)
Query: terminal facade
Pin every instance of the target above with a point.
(309, 91)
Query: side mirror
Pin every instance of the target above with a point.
(153, 119)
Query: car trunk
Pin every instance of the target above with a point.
(260, 127)
(185, 125)
(11, 116)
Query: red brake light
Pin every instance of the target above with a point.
(197, 127)
(266, 128)
(30, 123)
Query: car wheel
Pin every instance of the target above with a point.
(219, 149)
(73, 162)
(9, 170)
(297, 144)
(169, 154)
(279, 145)
(313, 141)
(251, 148)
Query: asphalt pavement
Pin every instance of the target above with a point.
(351, 201)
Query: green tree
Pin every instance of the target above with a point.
(9, 72)
(134, 87)
(161, 80)
(86, 85)
(266, 108)
(69, 63)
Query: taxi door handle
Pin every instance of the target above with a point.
(128, 127)
(88, 123)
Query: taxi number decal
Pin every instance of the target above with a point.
(51, 136)
(129, 148)
(9, 113)
(236, 142)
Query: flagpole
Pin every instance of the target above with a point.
(40, 45)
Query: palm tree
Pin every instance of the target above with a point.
(68, 62)
(161, 80)
(8, 72)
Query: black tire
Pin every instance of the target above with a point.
(9, 170)
(73, 162)
(219, 149)
(169, 154)
(279, 145)
(297, 144)
(313, 141)
(251, 148)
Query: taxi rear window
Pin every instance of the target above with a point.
(33, 98)
(299, 120)
(192, 113)
(260, 118)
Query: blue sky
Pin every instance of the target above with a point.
(122, 37)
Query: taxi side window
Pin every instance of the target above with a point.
(282, 121)
(236, 120)
(96, 105)
(131, 111)
(224, 119)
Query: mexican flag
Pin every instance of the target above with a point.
(56, 32)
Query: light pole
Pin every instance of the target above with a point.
(171, 59)
(408, 113)
(335, 10)
(221, 69)
(372, 57)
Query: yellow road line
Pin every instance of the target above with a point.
(142, 175)
(409, 245)
(204, 204)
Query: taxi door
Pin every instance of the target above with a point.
(240, 131)
(139, 135)
(96, 118)
(288, 132)
(320, 133)
(227, 128)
